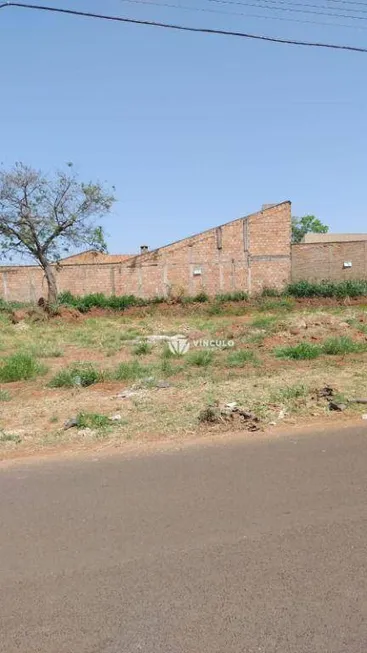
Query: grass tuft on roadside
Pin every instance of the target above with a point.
(132, 370)
(200, 358)
(77, 375)
(142, 348)
(342, 345)
(241, 358)
(302, 351)
(20, 367)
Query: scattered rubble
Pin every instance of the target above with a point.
(163, 384)
(325, 392)
(333, 405)
(138, 388)
(86, 433)
(128, 394)
(116, 418)
(71, 423)
(230, 412)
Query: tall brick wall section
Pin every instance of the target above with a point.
(247, 254)
(321, 261)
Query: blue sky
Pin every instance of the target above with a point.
(192, 130)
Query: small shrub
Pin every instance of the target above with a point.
(290, 393)
(167, 352)
(271, 292)
(78, 375)
(237, 296)
(67, 298)
(282, 304)
(10, 437)
(215, 308)
(93, 421)
(142, 348)
(201, 298)
(338, 289)
(167, 368)
(342, 345)
(209, 415)
(99, 300)
(200, 358)
(303, 351)
(130, 334)
(4, 395)
(263, 322)
(241, 357)
(20, 367)
(131, 370)
(45, 351)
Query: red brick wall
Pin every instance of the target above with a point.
(319, 261)
(247, 254)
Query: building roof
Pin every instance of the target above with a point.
(333, 238)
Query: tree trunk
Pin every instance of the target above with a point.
(51, 284)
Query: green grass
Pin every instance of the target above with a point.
(264, 322)
(241, 357)
(20, 367)
(283, 304)
(338, 289)
(93, 421)
(77, 375)
(216, 308)
(290, 393)
(168, 368)
(132, 371)
(200, 358)
(201, 298)
(238, 296)
(4, 395)
(45, 351)
(271, 292)
(10, 437)
(99, 300)
(302, 351)
(342, 345)
(142, 349)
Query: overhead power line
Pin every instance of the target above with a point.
(240, 14)
(185, 28)
(292, 3)
(274, 6)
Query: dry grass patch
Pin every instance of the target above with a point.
(100, 360)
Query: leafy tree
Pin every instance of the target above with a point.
(45, 216)
(305, 225)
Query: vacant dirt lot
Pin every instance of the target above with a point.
(105, 374)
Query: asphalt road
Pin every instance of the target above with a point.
(241, 547)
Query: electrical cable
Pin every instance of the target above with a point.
(186, 28)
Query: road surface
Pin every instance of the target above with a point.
(238, 547)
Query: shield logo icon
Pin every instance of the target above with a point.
(179, 346)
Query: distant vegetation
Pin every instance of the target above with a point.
(337, 289)
(270, 298)
(305, 225)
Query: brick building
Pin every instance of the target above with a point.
(247, 254)
(335, 257)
